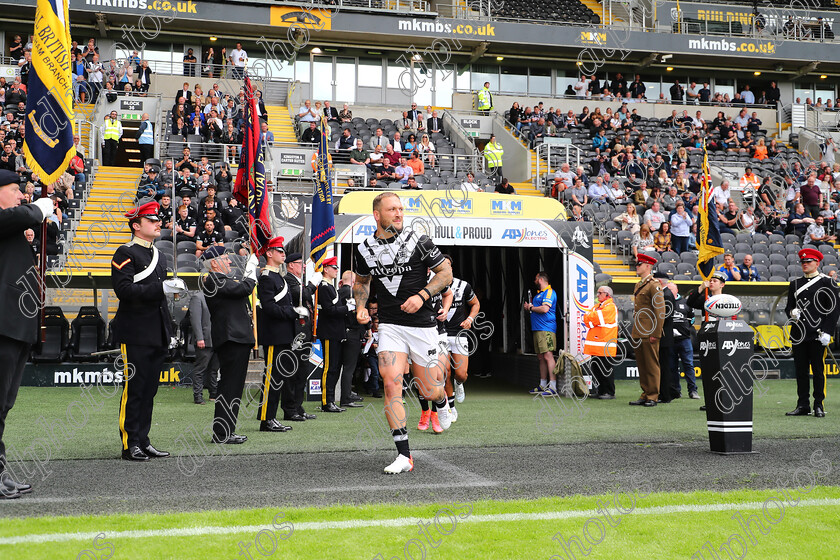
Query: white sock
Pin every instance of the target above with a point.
(552, 385)
(543, 383)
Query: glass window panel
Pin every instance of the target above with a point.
(652, 90)
(514, 80)
(826, 94)
(345, 80)
(483, 73)
(562, 83)
(424, 82)
(463, 77)
(444, 84)
(322, 77)
(302, 70)
(539, 82)
(370, 72)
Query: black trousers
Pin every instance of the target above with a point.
(109, 152)
(140, 385)
(602, 372)
(233, 367)
(146, 151)
(205, 372)
(13, 354)
(278, 365)
(666, 386)
(350, 350)
(809, 357)
(293, 391)
(332, 370)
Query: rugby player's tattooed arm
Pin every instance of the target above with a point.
(441, 280)
(361, 293)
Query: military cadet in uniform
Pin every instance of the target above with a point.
(666, 343)
(351, 348)
(648, 320)
(19, 327)
(293, 391)
(276, 331)
(233, 335)
(812, 304)
(330, 331)
(142, 327)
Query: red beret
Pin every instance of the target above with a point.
(276, 243)
(332, 261)
(810, 254)
(148, 210)
(645, 258)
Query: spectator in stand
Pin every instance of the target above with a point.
(812, 196)
(729, 268)
(345, 115)
(208, 237)
(680, 228)
(360, 156)
(729, 218)
(747, 95)
(238, 59)
(748, 271)
(577, 194)
(396, 142)
(392, 156)
(704, 93)
(311, 135)
(749, 180)
(434, 124)
(224, 180)
(331, 113)
(346, 141)
(410, 144)
(598, 192)
(411, 184)
(416, 164)
(773, 94)
(816, 233)
(722, 194)
(629, 219)
(427, 150)
(565, 176)
(798, 221)
(677, 92)
(504, 187)
(662, 238)
(80, 86)
(469, 184)
(643, 241)
(307, 114)
(190, 62)
(403, 171)
(760, 152)
(144, 77)
(379, 139)
(654, 217)
(747, 221)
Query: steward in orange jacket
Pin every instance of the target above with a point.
(601, 343)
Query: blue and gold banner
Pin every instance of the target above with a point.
(709, 243)
(323, 220)
(49, 97)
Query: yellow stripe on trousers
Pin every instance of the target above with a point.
(324, 375)
(267, 384)
(124, 398)
(825, 378)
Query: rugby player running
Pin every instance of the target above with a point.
(397, 259)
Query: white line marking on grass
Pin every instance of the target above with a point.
(399, 522)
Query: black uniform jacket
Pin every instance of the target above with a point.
(331, 313)
(143, 314)
(276, 315)
(19, 304)
(230, 308)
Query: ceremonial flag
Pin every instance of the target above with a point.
(49, 94)
(249, 187)
(708, 237)
(323, 222)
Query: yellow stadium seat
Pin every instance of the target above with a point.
(772, 337)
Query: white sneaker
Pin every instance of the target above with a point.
(445, 417)
(459, 392)
(400, 465)
(454, 414)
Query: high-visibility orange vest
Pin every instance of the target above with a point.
(602, 336)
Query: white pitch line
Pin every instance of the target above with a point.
(398, 522)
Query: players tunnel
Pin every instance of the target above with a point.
(498, 244)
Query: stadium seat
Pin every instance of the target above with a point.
(761, 317)
(778, 270)
(743, 238)
(761, 259)
(792, 239)
(795, 271)
(669, 257)
(689, 257)
(668, 268)
(88, 334)
(186, 247)
(776, 239)
(686, 269)
(760, 239)
(165, 244)
(56, 337)
(727, 238)
(771, 337)
(778, 249)
(743, 248)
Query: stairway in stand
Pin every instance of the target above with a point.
(527, 188)
(280, 123)
(610, 263)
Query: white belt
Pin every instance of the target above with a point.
(142, 275)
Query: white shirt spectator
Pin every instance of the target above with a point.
(816, 231)
(568, 178)
(617, 194)
(748, 97)
(655, 219)
(310, 116)
(721, 196)
(693, 94)
(580, 87)
(471, 187)
(743, 120)
(239, 57)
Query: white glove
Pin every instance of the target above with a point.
(795, 313)
(824, 338)
(251, 267)
(302, 311)
(46, 206)
(174, 286)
